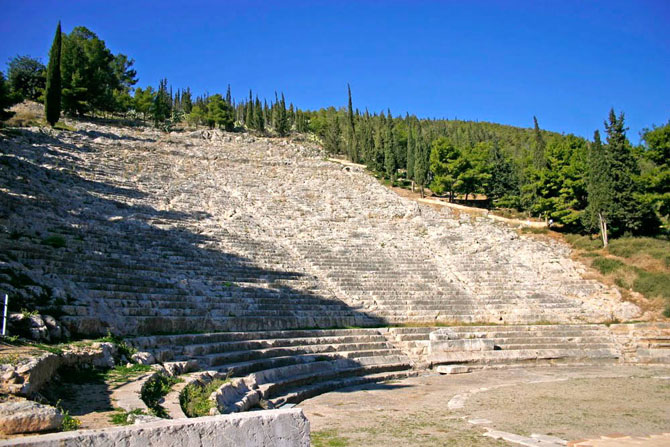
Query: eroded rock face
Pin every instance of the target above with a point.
(26, 416)
(28, 375)
(144, 358)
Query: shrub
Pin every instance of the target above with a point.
(652, 284)
(194, 399)
(54, 241)
(627, 247)
(606, 265)
(583, 242)
(156, 388)
(69, 423)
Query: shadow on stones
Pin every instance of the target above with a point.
(134, 269)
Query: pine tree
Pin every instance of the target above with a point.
(52, 95)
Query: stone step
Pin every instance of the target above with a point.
(251, 344)
(302, 393)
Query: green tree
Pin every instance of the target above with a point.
(162, 104)
(7, 99)
(52, 95)
(352, 150)
(447, 166)
(503, 186)
(27, 77)
(143, 101)
(627, 213)
(600, 188)
(259, 119)
(281, 123)
(421, 161)
(656, 169)
(411, 149)
(219, 113)
(332, 136)
(390, 160)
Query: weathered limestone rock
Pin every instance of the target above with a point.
(453, 369)
(280, 428)
(144, 358)
(442, 341)
(30, 374)
(26, 416)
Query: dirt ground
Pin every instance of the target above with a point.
(431, 410)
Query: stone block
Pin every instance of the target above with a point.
(280, 428)
(453, 369)
(26, 416)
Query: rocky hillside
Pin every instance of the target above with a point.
(137, 231)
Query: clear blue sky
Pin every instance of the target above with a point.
(565, 61)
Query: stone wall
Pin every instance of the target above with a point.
(281, 428)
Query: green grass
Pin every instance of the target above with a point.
(121, 416)
(327, 438)
(653, 285)
(155, 389)
(630, 246)
(606, 265)
(635, 268)
(534, 230)
(122, 373)
(583, 242)
(194, 399)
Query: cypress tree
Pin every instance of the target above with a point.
(421, 162)
(626, 213)
(351, 136)
(52, 95)
(259, 119)
(249, 117)
(410, 155)
(600, 192)
(539, 161)
(229, 99)
(281, 123)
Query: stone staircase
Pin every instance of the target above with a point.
(644, 342)
(275, 368)
(177, 233)
(511, 345)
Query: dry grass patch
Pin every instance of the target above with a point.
(638, 266)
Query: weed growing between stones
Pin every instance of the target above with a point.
(70, 423)
(154, 390)
(194, 399)
(122, 373)
(124, 349)
(121, 416)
